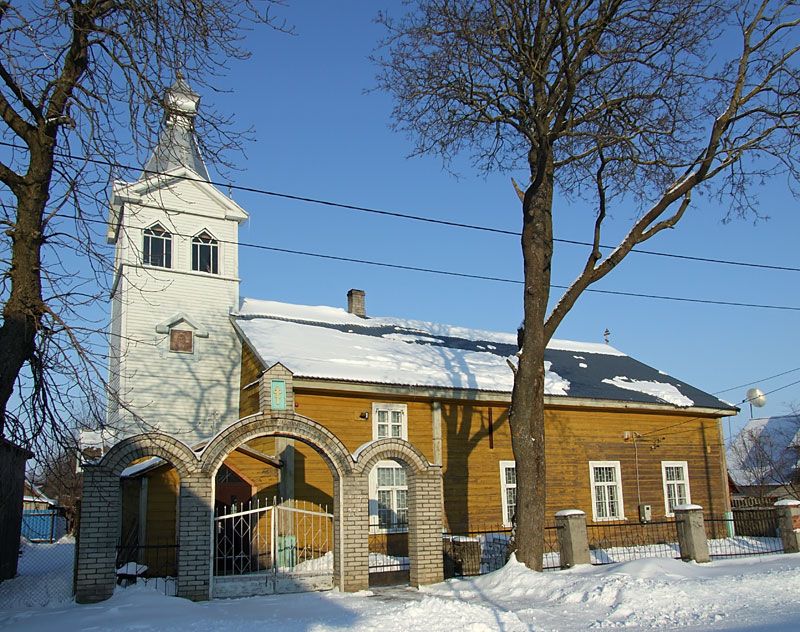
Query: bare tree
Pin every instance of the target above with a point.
(80, 88)
(605, 100)
(764, 456)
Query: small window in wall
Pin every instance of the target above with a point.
(181, 341)
(606, 487)
(675, 475)
(157, 247)
(508, 490)
(205, 253)
(391, 493)
(389, 421)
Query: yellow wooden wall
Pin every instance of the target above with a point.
(475, 438)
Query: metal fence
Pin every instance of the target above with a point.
(611, 542)
(155, 565)
(751, 531)
(43, 525)
(44, 576)
(290, 537)
(479, 550)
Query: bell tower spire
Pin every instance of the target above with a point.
(177, 144)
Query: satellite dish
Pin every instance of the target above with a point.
(756, 397)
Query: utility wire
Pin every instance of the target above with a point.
(407, 216)
(746, 400)
(480, 277)
(765, 379)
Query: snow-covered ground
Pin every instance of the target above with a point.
(756, 594)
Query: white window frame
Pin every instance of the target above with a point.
(617, 483)
(504, 487)
(154, 233)
(374, 515)
(390, 408)
(206, 239)
(685, 466)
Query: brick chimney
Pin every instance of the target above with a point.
(357, 303)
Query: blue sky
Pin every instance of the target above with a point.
(318, 133)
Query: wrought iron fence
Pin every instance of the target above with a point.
(155, 565)
(747, 532)
(479, 550)
(289, 537)
(389, 561)
(611, 542)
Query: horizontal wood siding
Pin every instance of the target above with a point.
(475, 438)
(251, 371)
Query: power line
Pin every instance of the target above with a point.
(746, 400)
(765, 379)
(408, 216)
(480, 277)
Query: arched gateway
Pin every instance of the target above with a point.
(100, 513)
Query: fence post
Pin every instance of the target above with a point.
(573, 542)
(788, 511)
(691, 533)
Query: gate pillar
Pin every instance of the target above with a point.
(425, 526)
(99, 527)
(351, 533)
(195, 538)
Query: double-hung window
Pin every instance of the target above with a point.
(391, 492)
(675, 475)
(388, 485)
(606, 487)
(157, 247)
(205, 253)
(389, 421)
(508, 490)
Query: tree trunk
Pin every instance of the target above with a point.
(527, 403)
(22, 313)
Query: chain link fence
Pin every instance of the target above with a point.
(44, 576)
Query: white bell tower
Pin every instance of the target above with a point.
(174, 355)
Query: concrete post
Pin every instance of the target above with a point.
(692, 533)
(425, 527)
(573, 541)
(195, 525)
(788, 511)
(99, 529)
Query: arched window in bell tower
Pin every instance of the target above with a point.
(205, 253)
(157, 247)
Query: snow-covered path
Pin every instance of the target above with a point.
(755, 594)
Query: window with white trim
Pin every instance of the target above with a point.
(391, 495)
(389, 421)
(675, 475)
(205, 253)
(606, 485)
(508, 490)
(157, 247)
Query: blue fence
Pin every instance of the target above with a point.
(43, 525)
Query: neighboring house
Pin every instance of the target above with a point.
(764, 457)
(189, 360)
(34, 498)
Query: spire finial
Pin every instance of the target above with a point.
(180, 101)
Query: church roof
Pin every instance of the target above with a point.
(330, 343)
(177, 145)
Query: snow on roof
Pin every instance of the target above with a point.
(330, 343)
(141, 466)
(665, 392)
(36, 495)
(765, 452)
